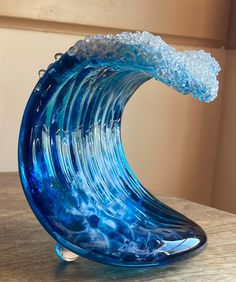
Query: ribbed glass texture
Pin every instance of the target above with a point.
(75, 174)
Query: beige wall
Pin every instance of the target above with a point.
(170, 140)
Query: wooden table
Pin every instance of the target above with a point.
(27, 251)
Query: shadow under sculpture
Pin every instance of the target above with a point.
(71, 160)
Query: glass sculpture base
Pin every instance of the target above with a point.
(65, 254)
(71, 161)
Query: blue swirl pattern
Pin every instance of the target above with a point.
(71, 160)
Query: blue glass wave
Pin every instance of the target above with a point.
(71, 161)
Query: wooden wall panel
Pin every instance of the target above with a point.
(204, 19)
(231, 40)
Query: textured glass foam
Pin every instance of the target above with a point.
(71, 160)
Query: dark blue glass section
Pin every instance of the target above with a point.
(77, 179)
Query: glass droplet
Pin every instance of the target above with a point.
(57, 56)
(41, 73)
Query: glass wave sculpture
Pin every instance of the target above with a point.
(71, 161)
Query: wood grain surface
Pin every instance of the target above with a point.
(27, 251)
